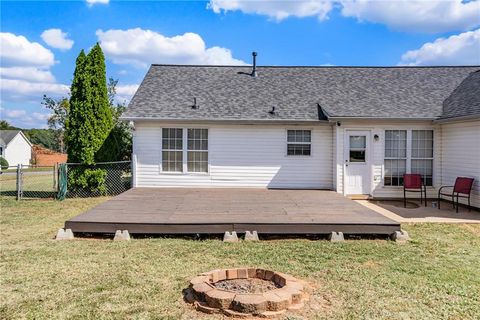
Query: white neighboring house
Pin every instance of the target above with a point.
(15, 147)
(355, 130)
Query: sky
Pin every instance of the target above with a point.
(40, 40)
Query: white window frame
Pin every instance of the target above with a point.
(408, 165)
(306, 143)
(195, 150)
(184, 152)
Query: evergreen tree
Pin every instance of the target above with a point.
(89, 119)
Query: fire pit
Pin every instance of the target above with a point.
(246, 292)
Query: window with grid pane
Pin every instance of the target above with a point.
(197, 157)
(422, 155)
(395, 157)
(299, 142)
(172, 150)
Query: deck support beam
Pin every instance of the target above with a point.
(64, 234)
(121, 235)
(230, 236)
(336, 237)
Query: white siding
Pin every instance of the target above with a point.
(461, 154)
(18, 151)
(240, 156)
(378, 190)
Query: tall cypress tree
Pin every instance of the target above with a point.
(99, 97)
(90, 119)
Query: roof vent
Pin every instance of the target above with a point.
(254, 70)
(272, 112)
(195, 105)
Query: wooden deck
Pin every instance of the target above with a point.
(210, 211)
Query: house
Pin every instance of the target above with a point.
(355, 130)
(15, 147)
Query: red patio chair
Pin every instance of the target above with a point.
(413, 183)
(461, 189)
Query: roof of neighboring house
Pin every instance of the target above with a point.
(7, 135)
(297, 93)
(465, 99)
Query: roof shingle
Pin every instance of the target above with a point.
(229, 93)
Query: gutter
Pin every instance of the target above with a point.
(380, 118)
(227, 121)
(461, 118)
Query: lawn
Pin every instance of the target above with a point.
(436, 276)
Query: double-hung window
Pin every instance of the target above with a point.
(395, 157)
(299, 142)
(422, 154)
(408, 151)
(184, 150)
(197, 150)
(172, 150)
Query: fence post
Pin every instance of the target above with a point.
(19, 181)
(134, 170)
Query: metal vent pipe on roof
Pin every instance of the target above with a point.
(254, 70)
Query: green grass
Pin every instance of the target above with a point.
(436, 276)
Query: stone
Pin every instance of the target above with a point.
(64, 234)
(230, 236)
(251, 236)
(296, 306)
(236, 314)
(336, 237)
(252, 272)
(121, 235)
(242, 273)
(268, 275)
(272, 314)
(249, 303)
(219, 275)
(202, 307)
(279, 279)
(200, 289)
(199, 279)
(276, 302)
(232, 274)
(219, 298)
(400, 236)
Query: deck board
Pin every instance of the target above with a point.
(184, 210)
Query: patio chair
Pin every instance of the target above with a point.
(413, 183)
(461, 189)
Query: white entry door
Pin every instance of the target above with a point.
(357, 162)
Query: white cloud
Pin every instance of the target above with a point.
(275, 9)
(27, 73)
(56, 38)
(125, 92)
(18, 51)
(403, 15)
(416, 15)
(24, 118)
(462, 49)
(22, 90)
(142, 47)
(92, 2)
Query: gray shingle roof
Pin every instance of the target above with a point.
(465, 99)
(228, 93)
(7, 135)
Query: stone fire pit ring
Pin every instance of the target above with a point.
(288, 293)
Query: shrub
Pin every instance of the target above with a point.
(3, 163)
(89, 180)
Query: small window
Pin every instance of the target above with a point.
(172, 153)
(299, 142)
(197, 157)
(358, 147)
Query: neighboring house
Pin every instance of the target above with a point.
(15, 147)
(355, 130)
(42, 156)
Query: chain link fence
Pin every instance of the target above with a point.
(66, 180)
(29, 182)
(100, 179)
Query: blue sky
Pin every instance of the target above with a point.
(40, 40)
